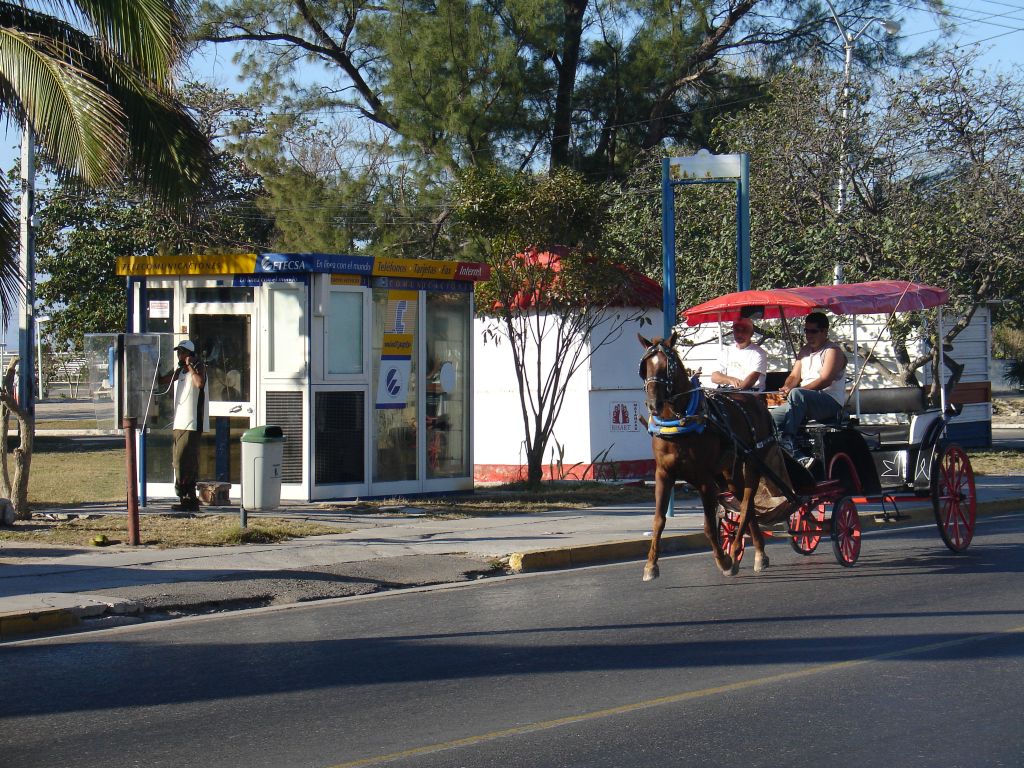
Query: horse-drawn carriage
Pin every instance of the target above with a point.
(902, 458)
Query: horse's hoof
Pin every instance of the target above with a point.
(650, 572)
(729, 568)
(735, 568)
(760, 563)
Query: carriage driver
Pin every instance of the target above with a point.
(744, 365)
(815, 388)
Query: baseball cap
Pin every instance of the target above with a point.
(187, 345)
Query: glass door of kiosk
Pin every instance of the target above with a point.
(222, 321)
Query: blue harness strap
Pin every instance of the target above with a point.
(692, 421)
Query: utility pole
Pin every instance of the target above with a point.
(849, 40)
(26, 327)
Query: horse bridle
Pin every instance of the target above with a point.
(673, 366)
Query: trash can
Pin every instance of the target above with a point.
(262, 451)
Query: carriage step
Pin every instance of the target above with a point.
(885, 517)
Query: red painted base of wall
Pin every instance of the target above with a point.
(639, 469)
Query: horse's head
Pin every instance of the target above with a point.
(665, 377)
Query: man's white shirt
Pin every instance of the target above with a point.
(740, 363)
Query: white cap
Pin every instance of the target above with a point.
(187, 345)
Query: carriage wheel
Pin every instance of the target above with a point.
(728, 523)
(805, 525)
(845, 531)
(953, 497)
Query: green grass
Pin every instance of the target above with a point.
(42, 426)
(165, 531)
(74, 471)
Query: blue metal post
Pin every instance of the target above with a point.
(743, 225)
(668, 268)
(668, 249)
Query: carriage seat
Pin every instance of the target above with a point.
(906, 401)
(897, 401)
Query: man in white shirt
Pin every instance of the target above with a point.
(191, 418)
(742, 366)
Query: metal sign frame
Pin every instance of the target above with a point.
(702, 168)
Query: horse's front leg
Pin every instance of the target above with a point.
(709, 498)
(749, 480)
(760, 557)
(748, 522)
(663, 485)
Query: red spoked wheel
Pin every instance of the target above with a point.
(806, 527)
(845, 532)
(728, 524)
(953, 497)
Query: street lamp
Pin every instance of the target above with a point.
(849, 40)
(39, 351)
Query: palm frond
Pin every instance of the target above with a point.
(167, 151)
(147, 34)
(11, 282)
(79, 123)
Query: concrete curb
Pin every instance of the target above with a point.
(622, 551)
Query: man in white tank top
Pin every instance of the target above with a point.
(191, 417)
(815, 388)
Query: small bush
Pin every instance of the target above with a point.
(1008, 342)
(1015, 373)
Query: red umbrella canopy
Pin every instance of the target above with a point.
(875, 297)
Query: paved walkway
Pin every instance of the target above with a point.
(44, 588)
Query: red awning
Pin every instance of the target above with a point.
(633, 290)
(876, 297)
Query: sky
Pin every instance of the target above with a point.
(996, 26)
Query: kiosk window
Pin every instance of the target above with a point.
(345, 333)
(287, 352)
(447, 386)
(219, 294)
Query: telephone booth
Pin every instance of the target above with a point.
(365, 363)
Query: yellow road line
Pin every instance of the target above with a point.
(676, 698)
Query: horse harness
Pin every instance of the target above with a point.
(703, 408)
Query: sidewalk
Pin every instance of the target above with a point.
(44, 589)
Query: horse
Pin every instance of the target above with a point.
(713, 441)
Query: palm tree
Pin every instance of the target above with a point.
(93, 78)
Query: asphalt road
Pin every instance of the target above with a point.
(913, 658)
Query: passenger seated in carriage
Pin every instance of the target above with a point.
(744, 365)
(815, 388)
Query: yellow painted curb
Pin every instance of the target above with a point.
(565, 557)
(14, 624)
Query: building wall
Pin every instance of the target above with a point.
(585, 430)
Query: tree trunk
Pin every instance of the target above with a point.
(535, 467)
(567, 67)
(16, 488)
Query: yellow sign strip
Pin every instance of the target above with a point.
(421, 268)
(208, 264)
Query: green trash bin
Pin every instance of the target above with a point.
(262, 453)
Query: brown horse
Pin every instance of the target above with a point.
(713, 442)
